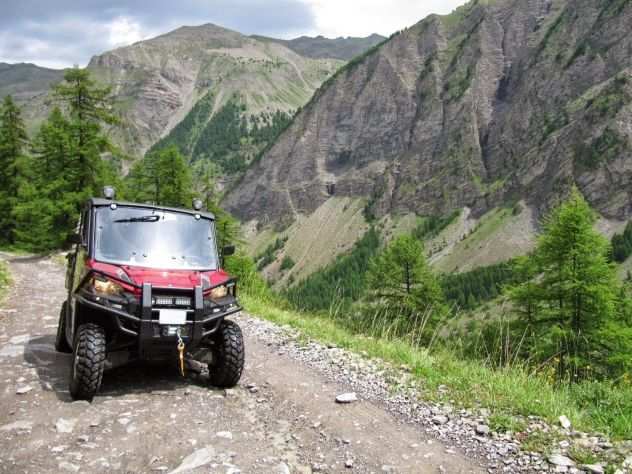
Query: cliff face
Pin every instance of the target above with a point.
(500, 100)
(158, 81)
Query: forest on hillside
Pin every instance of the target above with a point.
(230, 139)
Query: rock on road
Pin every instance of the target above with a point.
(282, 418)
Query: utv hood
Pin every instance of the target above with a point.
(183, 279)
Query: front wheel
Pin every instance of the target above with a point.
(228, 355)
(88, 362)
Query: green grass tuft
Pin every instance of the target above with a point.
(5, 280)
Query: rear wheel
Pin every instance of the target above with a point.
(61, 343)
(228, 355)
(88, 362)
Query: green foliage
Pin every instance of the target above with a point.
(432, 226)
(88, 107)
(608, 103)
(603, 149)
(287, 263)
(186, 133)
(622, 244)
(568, 309)
(5, 280)
(458, 84)
(230, 140)
(552, 31)
(468, 290)
(269, 254)
(341, 283)
(402, 287)
(161, 178)
(13, 141)
(243, 268)
(65, 166)
(501, 422)
(551, 123)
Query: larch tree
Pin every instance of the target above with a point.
(13, 142)
(574, 292)
(401, 284)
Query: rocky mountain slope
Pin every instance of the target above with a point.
(24, 81)
(499, 101)
(28, 84)
(158, 81)
(320, 47)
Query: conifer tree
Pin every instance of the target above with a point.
(401, 282)
(89, 108)
(162, 178)
(13, 141)
(573, 296)
(66, 165)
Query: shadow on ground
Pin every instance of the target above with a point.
(53, 371)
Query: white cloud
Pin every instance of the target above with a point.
(361, 18)
(124, 31)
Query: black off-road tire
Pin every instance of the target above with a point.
(228, 355)
(61, 343)
(88, 362)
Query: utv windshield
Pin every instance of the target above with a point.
(155, 239)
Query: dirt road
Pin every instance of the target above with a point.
(281, 419)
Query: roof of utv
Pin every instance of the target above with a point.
(99, 202)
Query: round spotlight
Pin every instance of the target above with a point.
(197, 204)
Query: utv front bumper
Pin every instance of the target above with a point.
(136, 324)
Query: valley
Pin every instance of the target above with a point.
(439, 221)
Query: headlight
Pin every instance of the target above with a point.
(105, 287)
(219, 292)
(223, 291)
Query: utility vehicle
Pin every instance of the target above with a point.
(145, 284)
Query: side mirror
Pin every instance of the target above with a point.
(228, 250)
(75, 239)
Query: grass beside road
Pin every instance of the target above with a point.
(509, 393)
(5, 280)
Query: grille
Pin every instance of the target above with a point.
(180, 301)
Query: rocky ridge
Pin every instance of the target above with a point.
(158, 81)
(496, 102)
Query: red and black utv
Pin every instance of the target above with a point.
(144, 283)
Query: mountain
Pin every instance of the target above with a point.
(498, 103)
(320, 47)
(159, 81)
(28, 84)
(24, 81)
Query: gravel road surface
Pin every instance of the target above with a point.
(282, 418)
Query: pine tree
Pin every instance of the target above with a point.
(66, 166)
(13, 141)
(401, 282)
(574, 294)
(175, 187)
(89, 107)
(162, 178)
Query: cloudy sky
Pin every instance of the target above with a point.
(61, 33)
